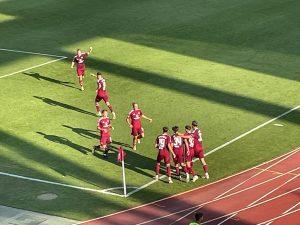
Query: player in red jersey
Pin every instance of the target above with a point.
(102, 94)
(104, 125)
(134, 121)
(198, 150)
(79, 59)
(190, 153)
(163, 145)
(178, 142)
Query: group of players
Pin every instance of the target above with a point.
(182, 147)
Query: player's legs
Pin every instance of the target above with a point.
(141, 134)
(134, 142)
(110, 107)
(167, 160)
(80, 80)
(97, 105)
(205, 167)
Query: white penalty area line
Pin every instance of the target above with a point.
(31, 53)
(43, 64)
(103, 191)
(278, 217)
(223, 145)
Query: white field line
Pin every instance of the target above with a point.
(285, 212)
(255, 175)
(198, 188)
(275, 218)
(104, 191)
(265, 195)
(223, 145)
(31, 53)
(43, 64)
(252, 206)
(215, 200)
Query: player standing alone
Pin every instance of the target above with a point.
(102, 95)
(134, 121)
(163, 145)
(79, 59)
(104, 125)
(198, 149)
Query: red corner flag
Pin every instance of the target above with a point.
(121, 154)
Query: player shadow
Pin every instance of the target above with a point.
(52, 80)
(65, 141)
(63, 105)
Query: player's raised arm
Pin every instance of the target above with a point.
(90, 50)
(147, 118)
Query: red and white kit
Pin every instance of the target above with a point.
(162, 142)
(198, 148)
(79, 60)
(135, 117)
(104, 126)
(177, 142)
(102, 93)
(190, 154)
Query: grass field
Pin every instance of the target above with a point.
(232, 65)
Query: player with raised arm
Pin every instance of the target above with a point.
(190, 154)
(177, 143)
(104, 126)
(79, 60)
(198, 150)
(163, 145)
(134, 121)
(102, 94)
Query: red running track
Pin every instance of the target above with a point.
(266, 194)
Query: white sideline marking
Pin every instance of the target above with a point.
(31, 53)
(201, 187)
(282, 214)
(104, 191)
(255, 175)
(257, 200)
(43, 64)
(215, 200)
(223, 145)
(275, 218)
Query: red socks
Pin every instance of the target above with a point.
(177, 171)
(168, 171)
(97, 108)
(205, 168)
(110, 108)
(157, 168)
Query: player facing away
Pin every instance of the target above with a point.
(178, 142)
(134, 121)
(104, 126)
(79, 60)
(198, 150)
(190, 154)
(102, 94)
(163, 145)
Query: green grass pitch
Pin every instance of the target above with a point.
(231, 65)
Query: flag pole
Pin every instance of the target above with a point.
(124, 179)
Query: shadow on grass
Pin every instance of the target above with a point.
(64, 105)
(49, 79)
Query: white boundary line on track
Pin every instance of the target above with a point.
(265, 195)
(224, 145)
(215, 200)
(103, 191)
(212, 183)
(224, 193)
(43, 64)
(275, 218)
(31, 53)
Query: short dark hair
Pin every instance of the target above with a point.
(175, 129)
(165, 129)
(195, 123)
(99, 73)
(198, 216)
(78, 49)
(188, 127)
(104, 110)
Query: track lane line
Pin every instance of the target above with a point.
(275, 218)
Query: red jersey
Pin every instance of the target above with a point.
(197, 136)
(135, 117)
(191, 140)
(162, 142)
(101, 86)
(79, 59)
(176, 141)
(104, 125)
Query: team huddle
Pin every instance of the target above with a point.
(183, 148)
